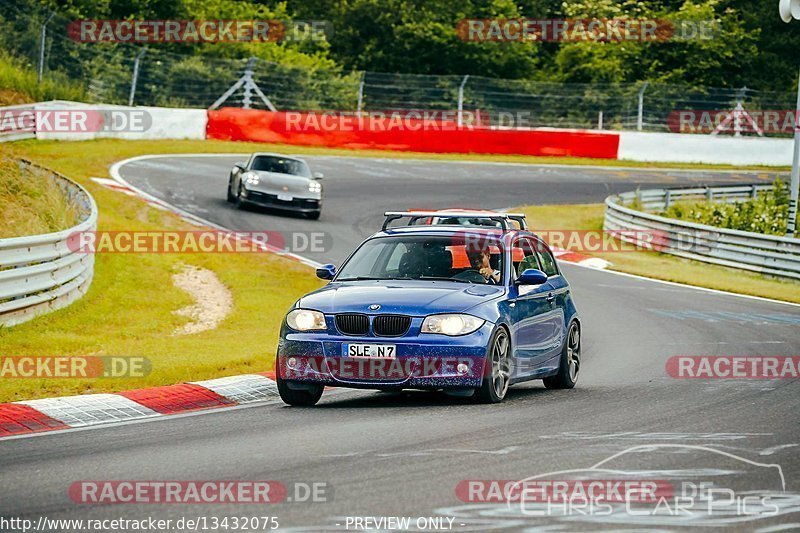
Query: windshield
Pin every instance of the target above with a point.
(426, 257)
(280, 165)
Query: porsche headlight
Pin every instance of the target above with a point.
(251, 178)
(314, 186)
(451, 324)
(305, 320)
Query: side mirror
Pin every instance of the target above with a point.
(326, 271)
(532, 276)
(318, 175)
(238, 167)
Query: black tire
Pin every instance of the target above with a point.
(313, 215)
(497, 373)
(295, 397)
(231, 197)
(570, 364)
(238, 203)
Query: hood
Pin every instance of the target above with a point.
(407, 297)
(274, 181)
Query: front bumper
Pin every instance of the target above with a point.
(301, 205)
(422, 361)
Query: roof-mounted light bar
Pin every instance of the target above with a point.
(502, 218)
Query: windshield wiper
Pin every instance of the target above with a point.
(442, 278)
(362, 278)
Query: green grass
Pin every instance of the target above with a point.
(31, 204)
(20, 84)
(129, 308)
(657, 265)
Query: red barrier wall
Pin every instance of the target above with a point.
(414, 135)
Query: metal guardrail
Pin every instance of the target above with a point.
(10, 130)
(756, 252)
(40, 273)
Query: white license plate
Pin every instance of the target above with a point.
(379, 351)
(285, 197)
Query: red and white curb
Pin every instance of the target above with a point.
(580, 259)
(49, 414)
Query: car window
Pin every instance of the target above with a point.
(393, 264)
(280, 165)
(419, 257)
(524, 256)
(548, 262)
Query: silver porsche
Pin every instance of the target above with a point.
(276, 181)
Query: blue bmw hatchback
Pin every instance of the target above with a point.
(469, 310)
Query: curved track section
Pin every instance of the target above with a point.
(404, 454)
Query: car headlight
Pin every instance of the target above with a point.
(314, 186)
(451, 324)
(305, 320)
(251, 178)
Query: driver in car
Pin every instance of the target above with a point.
(480, 261)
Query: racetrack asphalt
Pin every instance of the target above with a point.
(403, 454)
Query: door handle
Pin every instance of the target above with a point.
(551, 298)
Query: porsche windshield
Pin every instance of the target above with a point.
(280, 165)
(426, 257)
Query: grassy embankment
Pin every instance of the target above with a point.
(19, 85)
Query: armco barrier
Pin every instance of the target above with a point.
(756, 252)
(8, 126)
(263, 126)
(415, 135)
(40, 273)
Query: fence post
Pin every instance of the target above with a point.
(248, 89)
(640, 112)
(738, 112)
(41, 44)
(667, 199)
(135, 75)
(600, 120)
(461, 101)
(361, 92)
(794, 180)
